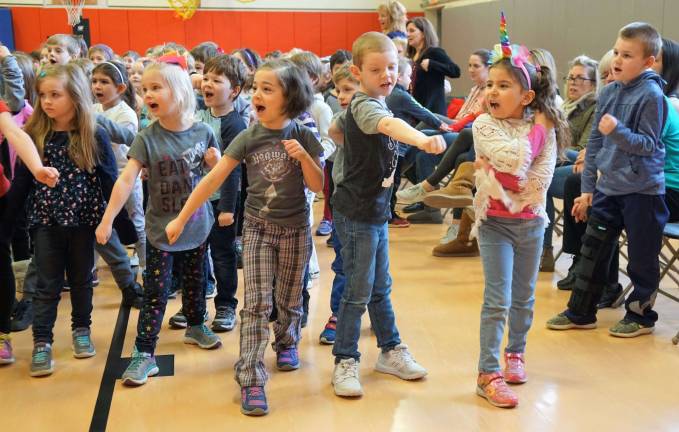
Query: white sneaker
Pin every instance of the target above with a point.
(411, 194)
(401, 363)
(345, 378)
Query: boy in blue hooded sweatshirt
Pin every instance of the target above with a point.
(625, 149)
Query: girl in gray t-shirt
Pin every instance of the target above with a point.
(281, 158)
(176, 152)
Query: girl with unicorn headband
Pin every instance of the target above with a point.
(516, 147)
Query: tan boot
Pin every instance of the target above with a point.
(461, 246)
(457, 193)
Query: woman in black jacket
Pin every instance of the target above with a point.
(431, 65)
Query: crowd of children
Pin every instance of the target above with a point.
(203, 161)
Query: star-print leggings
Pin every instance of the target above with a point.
(156, 289)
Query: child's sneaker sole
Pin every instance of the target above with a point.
(398, 373)
(44, 372)
(325, 341)
(192, 341)
(134, 382)
(480, 392)
(640, 332)
(7, 361)
(255, 412)
(85, 355)
(571, 325)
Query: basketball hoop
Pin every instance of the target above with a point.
(74, 9)
(184, 9)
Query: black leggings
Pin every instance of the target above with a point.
(453, 157)
(7, 286)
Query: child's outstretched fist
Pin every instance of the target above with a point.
(433, 144)
(295, 149)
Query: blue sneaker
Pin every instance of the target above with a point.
(328, 334)
(211, 290)
(324, 228)
(253, 401)
(287, 359)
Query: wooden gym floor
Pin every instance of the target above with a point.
(578, 380)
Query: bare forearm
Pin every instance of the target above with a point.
(401, 131)
(313, 174)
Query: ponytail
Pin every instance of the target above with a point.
(545, 102)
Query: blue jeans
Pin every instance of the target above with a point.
(337, 266)
(510, 252)
(365, 252)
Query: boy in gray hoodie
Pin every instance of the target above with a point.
(626, 151)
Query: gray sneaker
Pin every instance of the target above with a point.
(202, 336)
(178, 320)
(142, 365)
(41, 361)
(82, 343)
(411, 194)
(225, 319)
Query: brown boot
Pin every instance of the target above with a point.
(547, 260)
(457, 193)
(461, 246)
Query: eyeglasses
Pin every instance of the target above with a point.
(577, 79)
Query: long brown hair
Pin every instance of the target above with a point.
(544, 86)
(430, 38)
(82, 146)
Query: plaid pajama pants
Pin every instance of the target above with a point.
(270, 250)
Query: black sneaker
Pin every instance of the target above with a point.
(22, 315)
(95, 278)
(133, 296)
(610, 295)
(568, 283)
(225, 319)
(413, 208)
(178, 320)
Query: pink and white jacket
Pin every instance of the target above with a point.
(522, 156)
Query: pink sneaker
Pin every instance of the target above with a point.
(6, 356)
(515, 372)
(493, 387)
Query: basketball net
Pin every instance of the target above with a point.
(184, 9)
(74, 9)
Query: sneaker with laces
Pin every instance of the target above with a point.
(178, 320)
(41, 360)
(411, 194)
(562, 322)
(515, 371)
(287, 359)
(628, 329)
(82, 343)
(22, 315)
(493, 387)
(211, 290)
(400, 362)
(225, 319)
(142, 365)
(328, 334)
(324, 228)
(6, 355)
(202, 336)
(253, 401)
(345, 379)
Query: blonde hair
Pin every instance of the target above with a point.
(72, 45)
(646, 34)
(370, 42)
(179, 83)
(541, 57)
(344, 73)
(397, 15)
(311, 64)
(82, 144)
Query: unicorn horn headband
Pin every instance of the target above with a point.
(518, 55)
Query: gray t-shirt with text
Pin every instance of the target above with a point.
(174, 161)
(276, 182)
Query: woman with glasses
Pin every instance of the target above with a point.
(580, 90)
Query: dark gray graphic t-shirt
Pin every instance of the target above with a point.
(174, 161)
(276, 181)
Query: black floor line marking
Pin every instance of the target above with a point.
(115, 366)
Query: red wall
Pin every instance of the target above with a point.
(121, 29)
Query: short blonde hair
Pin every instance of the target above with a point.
(179, 84)
(344, 73)
(370, 42)
(69, 42)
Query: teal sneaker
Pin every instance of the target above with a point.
(202, 336)
(562, 322)
(629, 329)
(142, 365)
(82, 343)
(41, 361)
